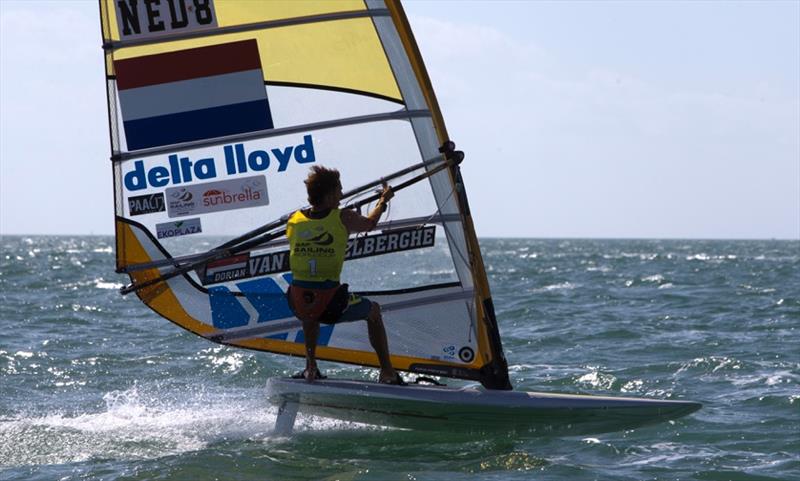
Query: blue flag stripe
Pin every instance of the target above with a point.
(198, 125)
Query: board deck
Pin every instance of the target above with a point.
(471, 409)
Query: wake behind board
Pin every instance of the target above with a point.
(469, 409)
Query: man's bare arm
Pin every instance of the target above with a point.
(355, 222)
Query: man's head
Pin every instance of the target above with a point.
(323, 187)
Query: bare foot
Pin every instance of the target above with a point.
(392, 378)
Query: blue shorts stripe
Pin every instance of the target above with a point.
(357, 310)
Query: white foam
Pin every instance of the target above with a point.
(562, 286)
(632, 386)
(437, 272)
(598, 380)
(146, 423)
(134, 426)
(224, 358)
(107, 285)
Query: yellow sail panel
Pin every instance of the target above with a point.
(349, 356)
(159, 297)
(227, 13)
(345, 54)
(238, 12)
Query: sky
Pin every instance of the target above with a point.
(580, 119)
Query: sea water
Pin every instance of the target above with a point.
(95, 386)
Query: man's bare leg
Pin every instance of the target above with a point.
(377, 337)
(310, 334)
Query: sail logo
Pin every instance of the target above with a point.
(217, 196)
(146, 204)
(181, 200)
(243, 266)
(149, 18)
(178, 228)
(237, 160)
(466, 354)
(391, 241)
(184, 196)
(225, 270)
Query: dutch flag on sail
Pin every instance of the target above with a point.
(194, 94)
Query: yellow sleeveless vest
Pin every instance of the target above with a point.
(316, 246)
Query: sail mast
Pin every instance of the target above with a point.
(495, 372)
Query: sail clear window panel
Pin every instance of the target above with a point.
(433, 331)
(362, 153)
(354, 150)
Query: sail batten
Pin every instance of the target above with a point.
(283, 242)
(215, 118)
(267, 133)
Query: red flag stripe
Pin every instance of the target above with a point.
(187, 64)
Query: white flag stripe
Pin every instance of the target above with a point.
(194, 94)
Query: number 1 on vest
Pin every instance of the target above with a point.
(312, 266)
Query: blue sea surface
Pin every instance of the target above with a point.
(95, 386)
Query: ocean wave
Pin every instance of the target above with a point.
(711, 257)
(711, 364)
(434, 273)
(561, 286)
(771, 378)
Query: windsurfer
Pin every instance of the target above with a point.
(318, 242)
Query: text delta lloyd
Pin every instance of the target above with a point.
(237, 161)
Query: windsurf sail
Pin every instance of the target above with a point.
(218, 108)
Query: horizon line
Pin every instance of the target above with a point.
(490, 237)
